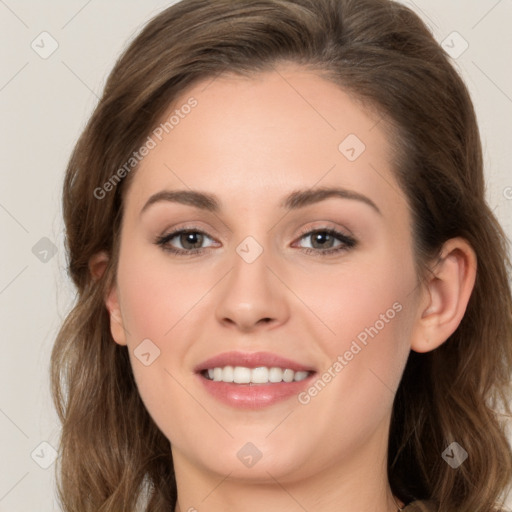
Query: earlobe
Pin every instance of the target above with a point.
(116, 320)
(97, 265)
(446, 296)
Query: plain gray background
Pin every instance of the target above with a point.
(45, 103)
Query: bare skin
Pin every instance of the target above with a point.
(251, 142)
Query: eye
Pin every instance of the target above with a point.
(190, 239)
(323, 241)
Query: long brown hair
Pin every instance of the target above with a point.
(112, 455)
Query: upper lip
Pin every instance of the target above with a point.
(251, 360)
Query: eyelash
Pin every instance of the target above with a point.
(347, 242)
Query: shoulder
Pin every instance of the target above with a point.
(420, 506)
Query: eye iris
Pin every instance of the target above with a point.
(192, 239)
(318, 237)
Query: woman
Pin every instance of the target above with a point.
(366, 370)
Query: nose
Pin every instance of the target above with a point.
(252, 296)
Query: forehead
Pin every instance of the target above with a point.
(264, 135)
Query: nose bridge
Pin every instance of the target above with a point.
(250, 267)
(252, 293)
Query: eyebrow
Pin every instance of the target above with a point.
(296, 199)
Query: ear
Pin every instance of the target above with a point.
(445, 296)
(97, 265)
(116, 320)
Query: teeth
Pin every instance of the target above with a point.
(240, 375)
(260, 375)
(275, 375)
(288, 375)
(227, 374)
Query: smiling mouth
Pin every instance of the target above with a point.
(254, 376)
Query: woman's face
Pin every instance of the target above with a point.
(271, 289)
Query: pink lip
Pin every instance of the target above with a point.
(251, 360)
(252, 396)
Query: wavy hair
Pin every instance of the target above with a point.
(112, 455)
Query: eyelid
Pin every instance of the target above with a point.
(326, 226)
(347, 242)
(165, 238)
(344, 236)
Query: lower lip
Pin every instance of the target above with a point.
(253, 396)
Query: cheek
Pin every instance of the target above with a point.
(363, 301)
(370, 313)
(156, 295)
(157, 301)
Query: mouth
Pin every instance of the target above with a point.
(253, 380)
(254, 376)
